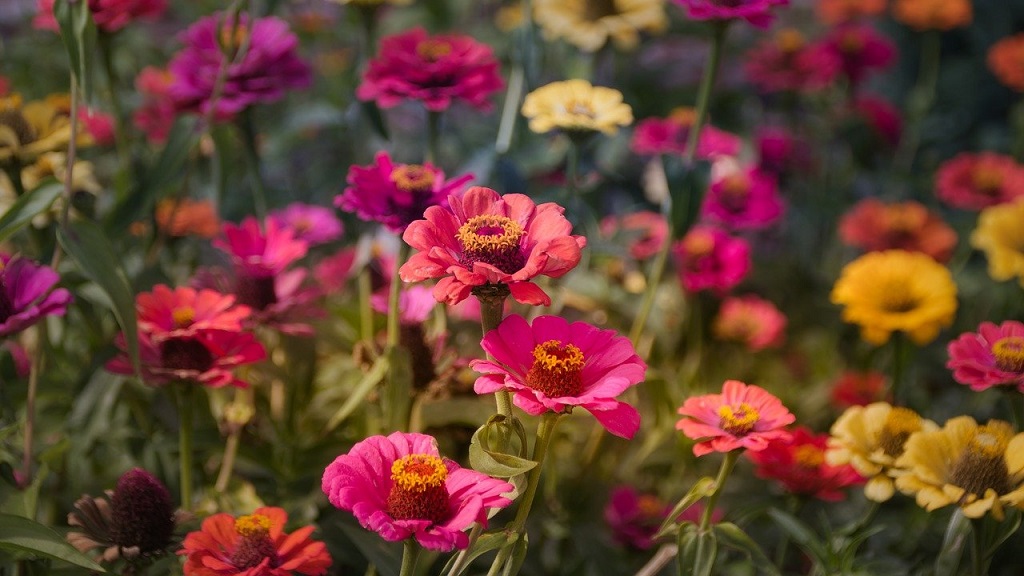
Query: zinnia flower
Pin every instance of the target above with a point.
(645, 232)
(978, 468)
(311, 224)
(109, 15)
(870, 438)
(860, 50)
(857, 389)
(787, 63)
(881, 117)
(577, 108)
(552, 365)
(798, 463)
(435, 70)
(742, 416)
(896, 290)
(30, 129)
(1004, 59)
(589, 24)
(933, 14)
(1000, 236)
(975, 181)
(669, 136)
(187, 217)
(485, 238)
(743, 199)
(27, 294)
(634, 517)
(711, 259)
(751, 321)
(842, 11)
(873, 225)
(269, 67)
(253, 545)
(992, 356)
(396, 194)
(156, 114)
(757, 12)
(400, 487)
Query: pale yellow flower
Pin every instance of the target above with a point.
(30, 129)
(1000, 234)
(871, 438)
(589, 24)
(576, 107)
(50, 165)
(978, 468)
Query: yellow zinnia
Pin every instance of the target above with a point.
(978, 468)
(896, 290)
(1000, 234)
(870, 438)
(589, 24)
(30, 129)
(576, 107)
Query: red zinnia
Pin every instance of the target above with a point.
(788, 63)
(857, 389)
(874, 226)
(975, 181)
(798, 463)
(741, 416)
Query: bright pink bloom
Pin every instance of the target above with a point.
(310, 223)
(976, 181)
(396, 194)
(751, 321)
(99, 125)
(645, 232)
(669, 136)
(485, 238)
(857, 389)
(156, 115)
(400, 487)
(741, 416)
(634, 518)
(757, 12)
(331, 273)
(261, 254)
(882, 117)
(553, 365)
(992, 356)
(269, 68)
(744, 199)
(109, 15)
(710, 259)
(27, 294)
(787, 64)
(860, 49)
(436, 70)
(798, 463)
(253, 545)
(779, 152)
(415, 303)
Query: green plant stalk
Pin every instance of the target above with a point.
(30, 405)
(492, 311)
(252, 157)
(463, 557)
(185, 409)
(980, 558)
(898, 369)
(395, 294)
(410, 556)
(227, 465)
(922, 97)
(723, 475)
(120, 135)
(365, 310)
(1015, 403)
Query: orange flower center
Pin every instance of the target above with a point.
(433, 50)
(649, 505)
(698, 244)
(987, 179)
(1009, 353)
(255, 544)
(494, 240)
(851, 43)
(233, 36)
(790, 41)
(183, 316)
(808, 456)
(738, 420)
(419, 491)
(413, 178)
(982, 467)
(557, 369)
(904, 218)
(735, 190)
(899, 424)
(684, 116)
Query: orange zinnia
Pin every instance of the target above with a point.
(188, 218)
(933, 14)
(1006, 61)
(842, 11)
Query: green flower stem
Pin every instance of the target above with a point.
(723, 475)
(365, 310)
(980, 555)
(104, 41)
(252, 157)
(227, 465)
(899, 358)
(185, 410)
(707, 85)
(433, 136)
(410, 556)
(30, 405)
(921, 99)
(492, 311)
(395, 295)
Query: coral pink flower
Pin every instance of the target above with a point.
(743, 199)
(396, 194)
(553, 365)
(669, 136)
(787, 63)
(873, 225)
(27, 294)
(415, 303)
(331, 273)
(645, 232)
(634, 518)
(253, 545)
(751, 321)
(882, 117)
(857, 389)
(400, 487)
(156, 115)
(757, 12)
(741, 416)
(269, 68)
(109, 15)
(860, 49)
(711, 259)
(798, 463)
(310, 223)
(975, 181)
(185, 312)
(435, 70)
(485, 238)
(992, 356)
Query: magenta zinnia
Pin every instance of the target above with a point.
(757, 12)
(109, 15)
(309, 223)
(553, 365)
(400, 487)
(27, 294)
(992, 356)
(485, 238)
(744, 199)
(741, 416)
(711, 259)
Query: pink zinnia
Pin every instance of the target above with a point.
(553, 365)
(435, 70)
(156, 115)
(788, 63)
(634, 518)
(27, 294)
(485, 238)
(741, 416)
(99, 125)
(396, 194)
(975, 181)
(857, 389)
(860, 49)
(109, 15)
(798, 463)
(332, 272)
(779, 152)
(744, 199)
(645, 232)
(400, 487)
(751, 321)
(757, 12)
(711, 259)
(669, 136)
(310, 223)
(882, 117)
(992, 356)
(185, 312)
(269, 68)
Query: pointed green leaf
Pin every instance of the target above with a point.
(28, 207)
(801, 534)
(958, 534)
(78, 33)
(697, 551)
(359, 394)
(376, 119)
(734, 537)
(488, 455)
(515, 561)
(701, 488)
(21, 535)
(485, 543)
(687, 186)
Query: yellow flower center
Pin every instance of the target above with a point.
(649, 505)
(1009, 353)
(252, 525)
(493, 240)
(419, 490)
(255, 544)
(698, 244)
(903, 218)
(982, 467)
(183, 316)
(433, 50)
(987, 179)
(899, 424)
(413, 178)
(557, 369)
(735, 190)
(897, 298)
(683, 115)
(232, 36)
(738, 420)
(790, 41)
(808, 456)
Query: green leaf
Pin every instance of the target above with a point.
(485, 543)
(515, 561)
(734, 537)
(958, 534)
(686, 185)
(362, 390)
(78, 31)
(697, 550)
(18, 534)
(701, 488)
(398, 392)
(91, 250)
(801, 534)
(28, 207)
(495, 460)
(376, 119)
